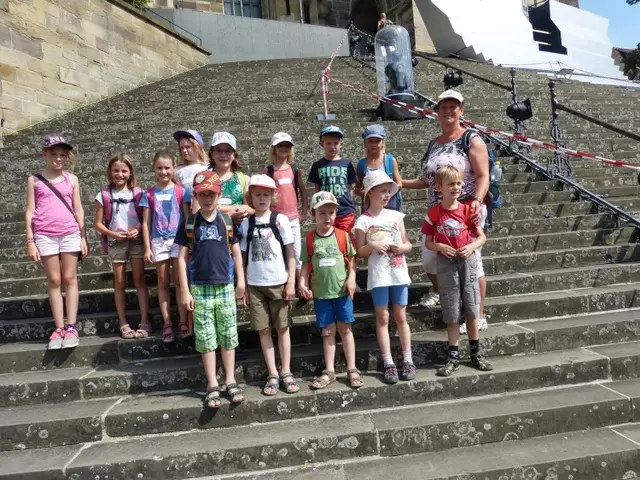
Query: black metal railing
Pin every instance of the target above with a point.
(172, 26)
(608, 126)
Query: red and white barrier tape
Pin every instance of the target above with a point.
(427, 113)
(325, 76)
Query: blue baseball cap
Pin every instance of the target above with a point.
(180, 134)
(374, 131)
(331, 129)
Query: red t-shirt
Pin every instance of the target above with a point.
(451, 227)
(287, 200)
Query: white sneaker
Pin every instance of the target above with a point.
(432, 299)
(482, 325)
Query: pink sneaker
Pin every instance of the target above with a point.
(71, 337)
(56, 338)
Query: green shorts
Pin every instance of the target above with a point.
(214, 317)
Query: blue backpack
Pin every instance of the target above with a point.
(396, 201)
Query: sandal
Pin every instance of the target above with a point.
(126, 332)
(185, 331)
(212, 398)
(326, 378)
(290, 386)
(143, 331)
(167, 334)
(354, 378)
(235, 393)
(271, 388)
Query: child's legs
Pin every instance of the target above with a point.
(226, 322)
(482, 281)
(343, 314)
(51, 266)
(204, 327)
(69, 270)
(137, 270)
(380, 297)
(399, 299)
(297, 245)
(162, 269)
(182, 312)
(119, 285)
(325, 320)
(280, 313)
(449, 279)
(259, 319)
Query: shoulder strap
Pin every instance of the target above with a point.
(137, 196)
(361, 168)
(179, 191)
(250, 228)
(107, 208)
(228, 225)
(296, 179)
(273, 223)
(434, 213)
(189, 228)
(56, 192)
(242, 178)
(150, 198)
(341, 238)
(388, 164)
(270, 171)
(466, 140)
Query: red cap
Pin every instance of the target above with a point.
(207, 181)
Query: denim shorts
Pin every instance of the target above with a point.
(398, 294)
(332, 310)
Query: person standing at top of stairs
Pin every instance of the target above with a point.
(56, 235)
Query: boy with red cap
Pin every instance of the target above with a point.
(212, 298)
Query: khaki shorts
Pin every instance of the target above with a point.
(122, 251)
(268, 308)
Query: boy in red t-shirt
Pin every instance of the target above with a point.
(450, 232)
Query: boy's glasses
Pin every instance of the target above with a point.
(223, 152)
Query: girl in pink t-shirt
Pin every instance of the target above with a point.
(54, 221)
(290, 188)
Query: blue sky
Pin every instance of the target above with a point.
(624, 20)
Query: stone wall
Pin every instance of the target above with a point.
(57, 55)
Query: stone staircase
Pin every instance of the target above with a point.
(563, 284)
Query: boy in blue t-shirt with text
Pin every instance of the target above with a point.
(336, 175)
(212, 298)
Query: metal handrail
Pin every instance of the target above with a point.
(173, 25)
(472, 75)
(591, 119)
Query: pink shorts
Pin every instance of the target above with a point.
(163, 249)
(55, 244)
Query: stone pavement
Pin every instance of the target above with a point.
(563, 283)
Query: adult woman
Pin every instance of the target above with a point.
(466, 152)
(225, 161)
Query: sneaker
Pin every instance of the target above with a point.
(71, 338)
(408, 371)
(482, 325)
(450, 366)
(430, 300)
(481, 363)
(391, 374)
(55, 340)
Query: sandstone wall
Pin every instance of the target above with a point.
(57, 55)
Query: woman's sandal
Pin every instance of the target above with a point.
(271, 388)
(144, 330)
(167, 334)
(212, 398)
(325, 379)
(126, 332)
(289, 382)
(355, 381)
(235, 393)
(185, 331)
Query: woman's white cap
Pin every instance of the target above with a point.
(281, 137)
(451, 94)
(378, 177)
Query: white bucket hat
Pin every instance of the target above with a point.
(378, 177)
(281, 137)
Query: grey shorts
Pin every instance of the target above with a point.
(458, 284)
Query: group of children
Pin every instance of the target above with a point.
(230, 238)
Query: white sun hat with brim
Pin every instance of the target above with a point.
(450, 94)
(378, 177)
(264, 181)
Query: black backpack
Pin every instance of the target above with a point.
(274, 228)
(296, 175)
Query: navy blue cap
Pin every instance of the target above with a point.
(331, 129)
(180, 134)
(374, 131)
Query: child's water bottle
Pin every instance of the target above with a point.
(496, 173)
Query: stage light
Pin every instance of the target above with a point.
(520, 110)
(414, 62)
(453, 80)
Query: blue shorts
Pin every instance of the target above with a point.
(398, 294)
(332, 310)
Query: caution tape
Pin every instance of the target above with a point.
(521, 139)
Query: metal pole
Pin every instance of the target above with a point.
(560, 165)
(325, 94)
(301, 14)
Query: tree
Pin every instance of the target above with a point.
(631, 63)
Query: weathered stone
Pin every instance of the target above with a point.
(25, 44)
